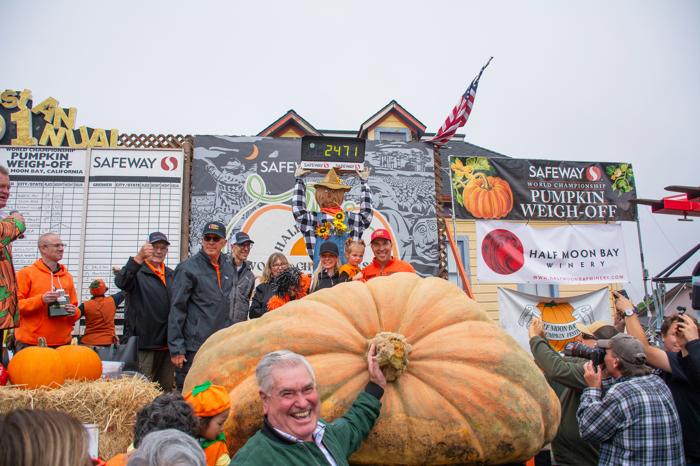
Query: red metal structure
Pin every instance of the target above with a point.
(686, 204)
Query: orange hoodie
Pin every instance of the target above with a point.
(32, 282)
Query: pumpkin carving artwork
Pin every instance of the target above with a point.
(559, 320)
(488, 197)
(37, 366)
(460, 389)
(80, 362)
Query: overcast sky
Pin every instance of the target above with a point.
(570, 80)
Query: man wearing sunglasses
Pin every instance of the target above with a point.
(199, 301)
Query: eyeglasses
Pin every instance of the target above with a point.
(279, 265)
(212, 239)
(245, 245)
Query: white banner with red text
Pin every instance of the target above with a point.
(559, 315)
(568, 254)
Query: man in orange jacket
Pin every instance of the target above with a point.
(383, 263)
(47, 297)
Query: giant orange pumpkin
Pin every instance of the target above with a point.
(80, 362)
(469, 392)
(36, 366)
(487, 197)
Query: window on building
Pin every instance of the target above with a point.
(463, 249)
(392, 134)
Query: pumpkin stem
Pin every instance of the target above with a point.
(392, 353)
(485, 183)
(41, 341)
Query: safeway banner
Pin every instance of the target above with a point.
(569, 254)
(559, 315)
(520, 189)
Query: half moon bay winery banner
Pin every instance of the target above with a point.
(509, 252)
(247, 183)
(519, 189)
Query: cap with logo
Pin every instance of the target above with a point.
(157, 236)
(241, 237)
(214, 228)
(626, 347)
(381, 233)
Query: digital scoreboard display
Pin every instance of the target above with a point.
(331, 149)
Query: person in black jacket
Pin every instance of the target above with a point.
(327, 274)
(200, 299)
(144, 279)
(275, 264)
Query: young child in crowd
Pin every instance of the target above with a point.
(212, 404)
(354, 252)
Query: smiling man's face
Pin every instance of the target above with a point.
(292, 405)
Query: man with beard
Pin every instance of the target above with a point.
(292, 432)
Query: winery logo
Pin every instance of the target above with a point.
(503, 252)
(168, 163)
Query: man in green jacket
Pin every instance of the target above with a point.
(292, 432)
(565, 375)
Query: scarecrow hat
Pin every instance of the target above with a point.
(332, 181)
(208, 400)
(98, 287)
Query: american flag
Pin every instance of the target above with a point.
(459, 115)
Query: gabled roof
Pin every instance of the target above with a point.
(395, 107)
(291, 118)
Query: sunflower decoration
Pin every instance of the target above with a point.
(339, 227)
(323, 230)
(339, 217)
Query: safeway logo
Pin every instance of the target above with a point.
(168, 163)
(594, 173)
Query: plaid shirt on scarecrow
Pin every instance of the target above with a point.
(308, 221)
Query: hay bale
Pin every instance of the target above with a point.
(111, 404)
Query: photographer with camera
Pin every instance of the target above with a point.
(634, 420)
(565, 375)
(680, 364)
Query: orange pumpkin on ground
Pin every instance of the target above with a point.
(80, 362)
(558, 319)
(464, 391)
(37, 366)
(488, 197)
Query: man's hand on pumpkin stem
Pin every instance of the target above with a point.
(375, 373)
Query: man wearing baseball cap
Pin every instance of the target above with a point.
(243, 279)
(145, 279)
(383, 263)
(200, 299)
(634, 419)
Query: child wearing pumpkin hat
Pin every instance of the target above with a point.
(99, 314)
(211, 403)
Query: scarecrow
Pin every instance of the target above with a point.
(332, 223)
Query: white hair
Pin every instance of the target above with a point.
(281, 358)
(169, 447)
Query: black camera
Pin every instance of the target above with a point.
(579, 350)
